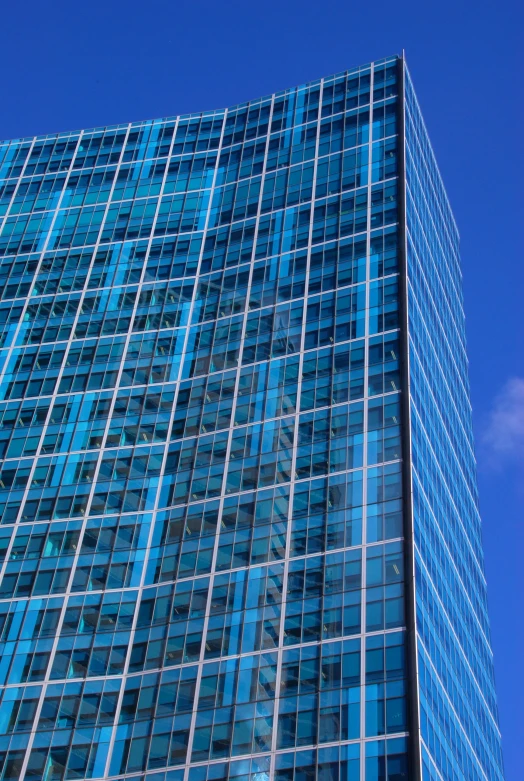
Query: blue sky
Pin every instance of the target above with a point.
(67, 66)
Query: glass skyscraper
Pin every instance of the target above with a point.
(239, 521)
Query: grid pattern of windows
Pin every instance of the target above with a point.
(202, 429)
(459, 722)
(200, 491)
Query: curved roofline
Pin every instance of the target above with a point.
(200, 114)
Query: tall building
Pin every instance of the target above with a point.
(239, 522)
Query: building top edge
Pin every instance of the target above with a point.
(433, 156)
(201, 114)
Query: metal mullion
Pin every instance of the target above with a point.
(34, 458)
(115, 390)
(190, 155)
(437, 241)
(65, 595)
(287, 751)
(459, 644)
(236, 222)
(166, 449)
(67, 592)
(450, 705)
(465, 536)
(54, 394)
(269, 257)
(42, 252)
(18, 183)
(183, 665)
(441, 198)
(91, 494)
(345, 288)
(280, 651)
(71, 341)
(442, 539)
(50, 174)
(363, 590)
(129, 335)
(443, 373)
(228, 452)
(180, 439)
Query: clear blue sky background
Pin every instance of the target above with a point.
(71, 65)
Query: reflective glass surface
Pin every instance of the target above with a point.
(458, 710)
(202, 428)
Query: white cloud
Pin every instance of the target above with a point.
(504, 435)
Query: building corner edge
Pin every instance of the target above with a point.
(415, 753)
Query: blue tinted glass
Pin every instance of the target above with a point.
(205, 425)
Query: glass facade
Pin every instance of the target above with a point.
(458, 709)
(239, 531)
